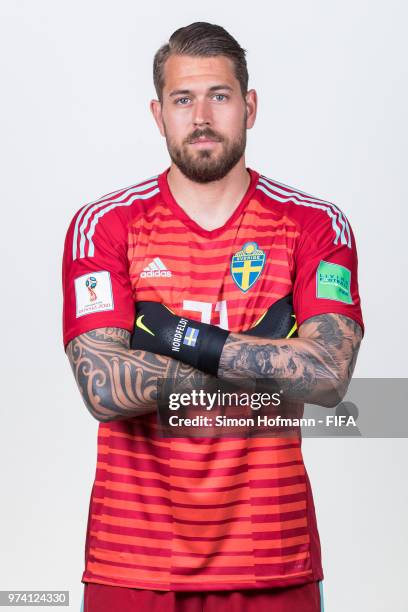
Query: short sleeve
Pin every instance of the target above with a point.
(96, 285)
(326, 270)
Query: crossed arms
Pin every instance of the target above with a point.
(118, 383)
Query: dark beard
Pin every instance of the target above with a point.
(204, 167)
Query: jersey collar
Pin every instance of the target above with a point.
(180, 213)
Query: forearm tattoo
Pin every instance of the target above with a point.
(315, 367)
(118, 383)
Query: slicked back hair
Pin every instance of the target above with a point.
(201, 39)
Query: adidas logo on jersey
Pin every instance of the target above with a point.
(155, 269)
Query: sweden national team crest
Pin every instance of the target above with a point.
(247, 265)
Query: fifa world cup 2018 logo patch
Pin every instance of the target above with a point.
(91, 284)
(247, 265)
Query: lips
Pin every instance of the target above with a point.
(197, 138)
(203, 139)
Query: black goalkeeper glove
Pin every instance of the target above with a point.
(278, 321)
(159, 330)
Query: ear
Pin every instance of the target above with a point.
(251, 101)
(156, 109)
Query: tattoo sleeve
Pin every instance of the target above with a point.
(118, 383)
(315, 367)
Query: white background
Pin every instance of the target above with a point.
(75, 86)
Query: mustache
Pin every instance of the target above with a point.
(206, 133)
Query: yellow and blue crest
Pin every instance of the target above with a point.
(247, 265)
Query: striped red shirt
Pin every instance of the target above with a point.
(188, 514)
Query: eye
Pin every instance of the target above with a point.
(182, 101)
(221, 97)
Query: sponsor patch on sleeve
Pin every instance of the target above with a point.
(333, 282)
(93, 293)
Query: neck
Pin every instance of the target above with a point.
(210, 204)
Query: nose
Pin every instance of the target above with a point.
(202, 113)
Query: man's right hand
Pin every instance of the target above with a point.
(278, 321)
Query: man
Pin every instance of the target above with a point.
(204, 523)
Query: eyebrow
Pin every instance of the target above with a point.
(180, 92)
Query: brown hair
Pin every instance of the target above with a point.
(201, 39)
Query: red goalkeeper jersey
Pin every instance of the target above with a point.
(188, 514)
